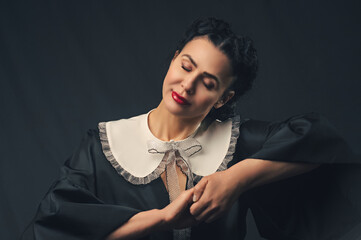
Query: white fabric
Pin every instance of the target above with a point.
(128, 138)
(176, 154)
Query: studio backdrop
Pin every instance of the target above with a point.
(67, 65)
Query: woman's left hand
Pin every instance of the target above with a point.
(214, 195)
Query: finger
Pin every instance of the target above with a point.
(199, 189)
(203, 202)
(184, 199)
(187, 195)
(198, 207)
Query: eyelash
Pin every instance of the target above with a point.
(210, 86)
(186, 69)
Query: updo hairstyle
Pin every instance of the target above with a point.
(239, 50)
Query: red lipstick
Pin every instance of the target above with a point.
(179, 99)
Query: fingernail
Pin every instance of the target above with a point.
(194, 198)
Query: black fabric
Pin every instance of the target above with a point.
(322, 204)
(65, 65)
(91, 199)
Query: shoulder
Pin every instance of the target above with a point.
(121, 129)
(92, 151)
(81, 156)
(94, 141)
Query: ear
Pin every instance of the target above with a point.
(224, 99)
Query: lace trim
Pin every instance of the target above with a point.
(161, 167)
(128, 176)
(231, 149)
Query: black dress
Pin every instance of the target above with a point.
(91, 199)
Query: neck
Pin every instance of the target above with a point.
(167, 126)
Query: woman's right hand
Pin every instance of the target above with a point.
(176, 215)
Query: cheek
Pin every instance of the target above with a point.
(208, 100)
(172, 76)
(167, 81)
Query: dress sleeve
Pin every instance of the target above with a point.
(71, 210)
(308, 138)
(322, 204)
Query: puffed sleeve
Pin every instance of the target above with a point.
(308, 138)
(321, 204)
(71, 210)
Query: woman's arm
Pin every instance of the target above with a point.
(251, 173)
(139, 225)
(224, 188)
(175, 215)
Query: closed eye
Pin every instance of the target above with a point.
(209, 85)
(186, 69)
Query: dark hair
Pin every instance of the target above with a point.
(239, 50)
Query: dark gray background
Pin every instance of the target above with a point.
(67, 65)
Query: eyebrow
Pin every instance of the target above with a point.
(205, 73)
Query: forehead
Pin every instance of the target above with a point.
(208, 57)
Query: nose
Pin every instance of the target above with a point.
(189, 84)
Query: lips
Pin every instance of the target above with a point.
(179, 99)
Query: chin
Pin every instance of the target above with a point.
(176, 109)
(180, 111)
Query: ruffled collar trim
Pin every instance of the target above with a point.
(124, 144)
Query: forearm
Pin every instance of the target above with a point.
(256, 172)
(174, 215)
(139, 225)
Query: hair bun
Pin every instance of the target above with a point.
(239, 50)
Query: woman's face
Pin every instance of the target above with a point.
(196, 80)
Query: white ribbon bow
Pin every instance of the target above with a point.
(176, 154)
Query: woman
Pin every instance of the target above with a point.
(190, 168)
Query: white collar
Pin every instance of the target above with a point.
(124, 144)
